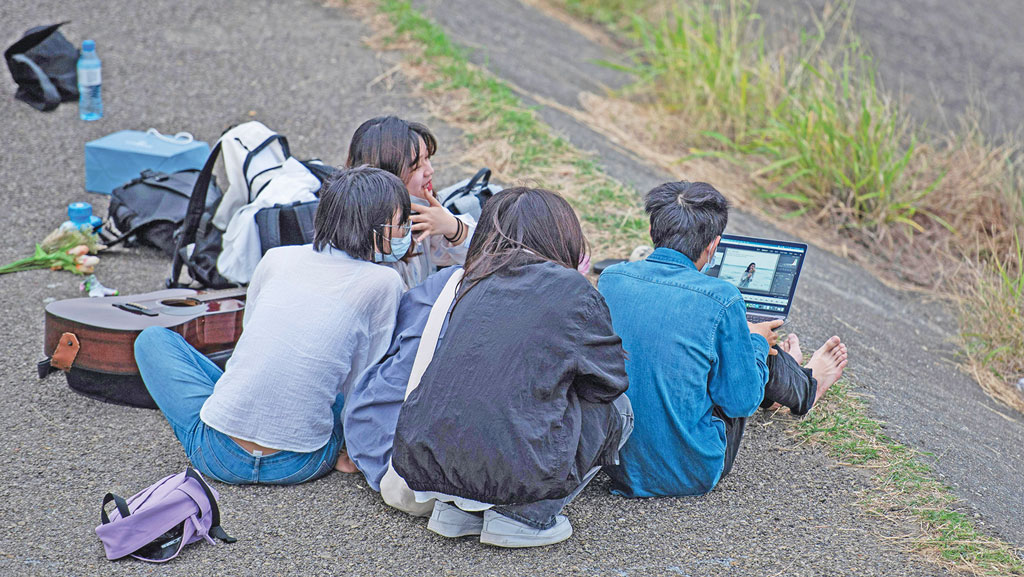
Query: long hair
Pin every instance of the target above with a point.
(522, 224)
(355, 204)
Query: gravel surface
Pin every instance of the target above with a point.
(198, 66)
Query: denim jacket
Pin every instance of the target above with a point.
(688, 348)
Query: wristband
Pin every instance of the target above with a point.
(458, 232)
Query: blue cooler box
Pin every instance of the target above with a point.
(117, 158)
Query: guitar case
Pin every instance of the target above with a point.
(92, 340)
(118, 389)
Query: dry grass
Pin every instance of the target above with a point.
(904, 488)
(502, 134)
(822, 150)
(506, 138)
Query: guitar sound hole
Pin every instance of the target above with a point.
(182, 302)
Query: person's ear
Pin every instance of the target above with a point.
(711, 248)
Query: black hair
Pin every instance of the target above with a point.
(391, 144)
(521, 223)
(355, 204)
(686, 216)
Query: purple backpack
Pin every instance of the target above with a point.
(157, 522)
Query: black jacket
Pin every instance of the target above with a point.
(516, 405)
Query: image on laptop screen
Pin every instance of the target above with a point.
(765, 271)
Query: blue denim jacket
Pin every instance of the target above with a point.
(688, 348)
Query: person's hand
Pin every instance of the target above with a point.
(767, 330)
(433, 219)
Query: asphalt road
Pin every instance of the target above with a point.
(301, 69)
(942, 57)
(903, 356)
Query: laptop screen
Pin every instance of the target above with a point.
(765, 271)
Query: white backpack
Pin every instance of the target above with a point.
(252, 154)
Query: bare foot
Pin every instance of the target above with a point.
(345, 464)
(827, 364)
(791, 344)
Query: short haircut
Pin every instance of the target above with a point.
(686, 216)
(391, 144)
(355, 204)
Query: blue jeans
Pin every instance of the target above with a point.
(180, 379)
(541, 514)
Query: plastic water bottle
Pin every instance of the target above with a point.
(90, 98)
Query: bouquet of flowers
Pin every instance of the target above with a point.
(66, 248)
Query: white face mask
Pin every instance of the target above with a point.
(399, 246)
(711, 258)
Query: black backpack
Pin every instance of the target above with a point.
(149, 209)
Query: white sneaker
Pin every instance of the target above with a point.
(501, 531)
(448, 520)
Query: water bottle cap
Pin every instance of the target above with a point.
(79, 212)
(88, 46)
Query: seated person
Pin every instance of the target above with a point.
(697, 369)
(523, 400)
(315, 317)
(372, 406)
(404, 149)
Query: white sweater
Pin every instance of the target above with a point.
(313, 322)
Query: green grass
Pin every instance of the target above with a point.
(808, 120)
(493, 113)
(905, 484)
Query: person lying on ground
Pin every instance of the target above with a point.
(315, 317)
(523, 400)
(404, 149)
(697, 369)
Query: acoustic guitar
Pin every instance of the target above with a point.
(93, 339)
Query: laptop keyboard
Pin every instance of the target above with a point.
(751, 318)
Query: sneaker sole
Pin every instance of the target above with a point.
(451, 530)
(518, 541)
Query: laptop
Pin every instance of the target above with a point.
(765, 271)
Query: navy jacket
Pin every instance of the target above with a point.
(516, 405)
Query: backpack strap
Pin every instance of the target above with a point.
(215, 529)
(306, 220)
(194, 214)
(483, 176)
(248, 158)
(432, 331)
(270, 231)
(122, 507)
(51, 98)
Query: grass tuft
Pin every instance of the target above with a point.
(905, 486)
(508, 137)
(808, 121)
